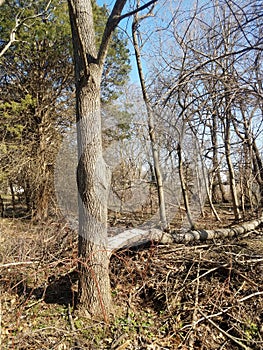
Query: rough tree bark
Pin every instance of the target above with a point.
(93, 175)
(183, 186)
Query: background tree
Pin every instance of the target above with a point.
(207, 55)
(150, 119)
(20, 21)
(38, 68)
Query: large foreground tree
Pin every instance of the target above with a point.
(93, 175)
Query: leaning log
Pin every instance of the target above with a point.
(136, 237)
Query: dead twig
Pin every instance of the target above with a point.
(231, 337)
(250, 296)
(18, 263)
(192, 336)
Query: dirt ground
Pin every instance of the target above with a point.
(205, 295)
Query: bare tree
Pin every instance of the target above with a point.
(210, 47)
(93, 175)
(150, 120)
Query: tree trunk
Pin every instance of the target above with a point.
(42, 187)
(151, 128)
(93, 177)
(231, 174)
(136, 237)
(209, 195)
(13, 198)
(231, 171)
(216, 167)
(258, 169)
(183, 186)
(253, 161)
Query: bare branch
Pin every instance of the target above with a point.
(250, 296)
(141, 8)
(17, 263)
(18, 24)
(226, 334)
(113, 21)
(195, 69)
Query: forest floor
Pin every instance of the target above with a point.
(203, 295)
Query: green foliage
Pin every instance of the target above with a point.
(251, 330)
(116, 68)
(39, 62)
(37, 87)
(44, 42)
(141, 323)
(116, 123)
(15, 141)
(12, 125)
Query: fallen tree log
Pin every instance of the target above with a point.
(203, 235)
(136, 237)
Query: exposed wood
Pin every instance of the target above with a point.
(136, 237)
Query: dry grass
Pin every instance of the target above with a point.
(202, 296)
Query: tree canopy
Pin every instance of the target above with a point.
(37, 87)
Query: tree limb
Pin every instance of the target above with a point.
(113, 21)
(111, 24)
(18, 24)
(231, 337)
(141, 8)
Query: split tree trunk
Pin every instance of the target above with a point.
(92, 174)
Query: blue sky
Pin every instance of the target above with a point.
(126, 24)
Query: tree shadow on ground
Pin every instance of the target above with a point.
(59, 290)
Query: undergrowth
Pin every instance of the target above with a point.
(199, 296)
